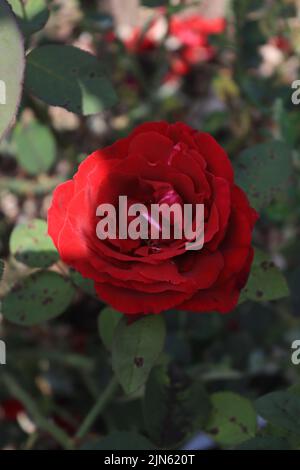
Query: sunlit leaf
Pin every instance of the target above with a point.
(35, 146)
(12, 67)
(31, 244)
(233, 419)
(266, 282)
(36, 298)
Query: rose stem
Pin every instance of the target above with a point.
(99, 406)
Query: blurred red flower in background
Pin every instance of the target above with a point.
(191, 36)
(281, 43)
(187, 38)
(11, 408)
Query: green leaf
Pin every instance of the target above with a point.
(36, 298)
(264, 172)
(84, 284)
(266, 282)
(264, 443)
(281, 409)
(30, 244)
(30, 187)
(173, 407)
(288, 122)
(107, 323)
(136, 347)
(233, 419)
(35, 146)
(32, 15)
(119, 441)
(69, 77)
(12, 67)
(154, 3)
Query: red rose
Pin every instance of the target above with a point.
(158, 162)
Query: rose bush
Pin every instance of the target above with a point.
(158, 163)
